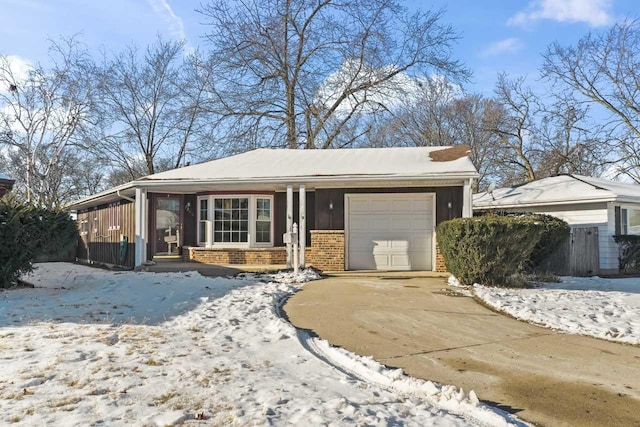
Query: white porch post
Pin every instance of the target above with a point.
(141, 226)
(289, 220)
(467, 199)
(302, 229)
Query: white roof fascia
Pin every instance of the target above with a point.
(305, 179)
(547, 203)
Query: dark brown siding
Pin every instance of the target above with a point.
(280, 202)
(189, 222)
(103, 245)
(333, 219)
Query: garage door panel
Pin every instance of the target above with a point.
(399, 244)
(421, 243)
(380, 206)
(359, 224)
(420, 227)
(423, 206)
(400, 205)
(356, 206)
(390, 231)
(361, 243)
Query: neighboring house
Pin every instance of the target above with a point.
(6, 184)
(367, 208)
(582, 201)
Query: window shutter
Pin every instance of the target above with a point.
(617, 221)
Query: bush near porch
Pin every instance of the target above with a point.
(490, 249)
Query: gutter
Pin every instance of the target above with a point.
(476, 206)
(122, 196)
(302, 179)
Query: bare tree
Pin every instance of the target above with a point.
(299, 73)
(151, 109)
(603, 69)
(471, 119)
(423, 117)
(518, 148)
(571, 141)
(42, 115)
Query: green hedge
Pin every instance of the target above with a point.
(555, 232)
(488, 249)
(26, 233)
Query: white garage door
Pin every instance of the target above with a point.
(390, 231)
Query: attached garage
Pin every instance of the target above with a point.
(390, 231)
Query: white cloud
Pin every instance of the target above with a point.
(176, 26)
(13, 70)
(392, 93)
(593, 12)
(509, 45)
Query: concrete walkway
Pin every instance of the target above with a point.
(416, 324)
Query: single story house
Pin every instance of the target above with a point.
(6, 184)
(582, 201)
(357, 209)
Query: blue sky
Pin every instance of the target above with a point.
(507, 35)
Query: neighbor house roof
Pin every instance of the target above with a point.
(279, 166)
(556, 190)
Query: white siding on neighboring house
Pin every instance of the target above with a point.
(611, 247)
(599, 215)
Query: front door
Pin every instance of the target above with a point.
(168, 225)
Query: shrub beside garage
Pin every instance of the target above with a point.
(491, 249)
(26, 233)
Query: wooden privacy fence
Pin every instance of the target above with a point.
(578, 256)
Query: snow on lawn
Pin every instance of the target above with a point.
(593, 306)
(93, 347)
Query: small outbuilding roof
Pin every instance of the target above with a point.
(557, 190)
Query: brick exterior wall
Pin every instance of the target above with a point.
(327, 250)
(248, 256)
(440, 265)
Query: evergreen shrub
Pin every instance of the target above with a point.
(26, 233)
(488, 249)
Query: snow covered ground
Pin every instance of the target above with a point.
(93, 347)
(593, 306)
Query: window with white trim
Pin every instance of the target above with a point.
(263, 220)
(235, 220)
(203, 221)
(231, 220)
(113, 216)
(630, 221)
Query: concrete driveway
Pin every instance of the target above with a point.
(545, 377)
